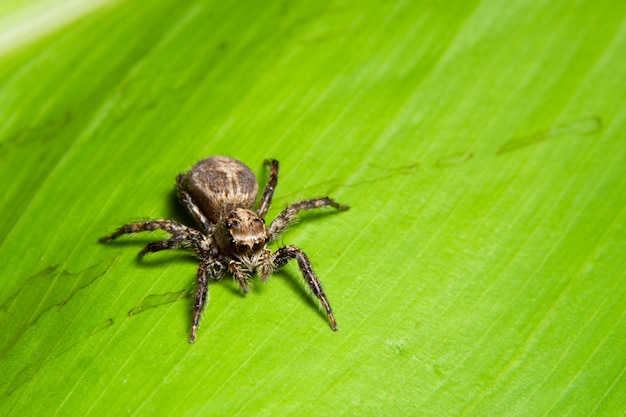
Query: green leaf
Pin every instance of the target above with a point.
(480, 269)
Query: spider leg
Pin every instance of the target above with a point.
(286, 253)
(210, 269)
(241, 275)
(172, 243)
(181, 234)
(286, 216)
(169, 226)
(268, 192)
(202, 290)
(192, 207)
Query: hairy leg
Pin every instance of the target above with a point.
(181, 235)
(268, 192)
(210, 269)
(241, 275)
(169, 226)
(286, 216)
(172, 243)
(286, 253)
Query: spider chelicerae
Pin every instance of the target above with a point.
(219, 192)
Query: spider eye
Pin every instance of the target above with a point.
(258, 245)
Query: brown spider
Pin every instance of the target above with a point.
(219, 193)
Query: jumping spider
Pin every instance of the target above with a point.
(219, 193)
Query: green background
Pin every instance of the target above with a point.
(480, 144)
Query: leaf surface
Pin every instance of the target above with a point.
(480, 269)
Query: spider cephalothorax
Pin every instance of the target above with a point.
(219, 193)
(242, 232)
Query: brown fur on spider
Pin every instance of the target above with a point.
(219, 192)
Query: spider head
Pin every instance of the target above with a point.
(242, 232)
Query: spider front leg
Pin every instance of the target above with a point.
(286, 253)
(210, 269)
(180, 234)
(285, 217)
(241, 275)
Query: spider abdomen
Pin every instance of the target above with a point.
(219, 185)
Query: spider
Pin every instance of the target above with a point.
(219, 193)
